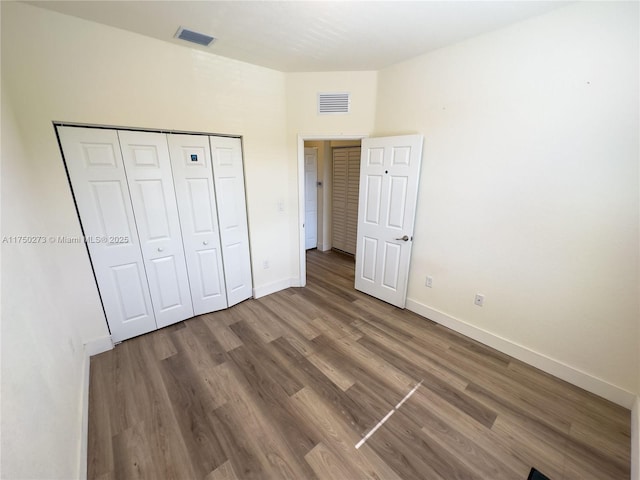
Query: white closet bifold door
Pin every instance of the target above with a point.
(148, 168)
(228, 177)
(193, 180)
(95, 167)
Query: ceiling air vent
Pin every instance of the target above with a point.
(194, 37)
(333, 103)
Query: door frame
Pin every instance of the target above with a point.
(302, 261)
(306, 197)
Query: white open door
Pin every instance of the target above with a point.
(389, 176)
(146, 160)
(311, 197)
(95, 167)
(193, 179)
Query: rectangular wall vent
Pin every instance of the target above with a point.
(334, 102)
(194, 37)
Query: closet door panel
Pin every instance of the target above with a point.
(228, 175)
(193, 180)
(148, 169)
(346, 178)
(339, 199)
(96, 170)
(352, 200)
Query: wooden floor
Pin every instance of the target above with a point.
(285, 387)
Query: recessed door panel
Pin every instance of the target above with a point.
(210, 274)
(390, 265)
(99, 155)
(97, 175)
(369, 253)
(375, 156)
(373, 193)
(111, 210)
(146, 160)
(228, 177)
(200, 204)
(153, 209)
(130, 284)
(193, 180)
(230, 217)
(401, 155)
(234, 278)
(166, 277)
(194, 157)
(397, 202)
(224, 154)
(144, 155)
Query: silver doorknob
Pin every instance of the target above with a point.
(404, 238)
(160, 249)
(204, 242)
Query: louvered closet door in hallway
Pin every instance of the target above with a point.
(346, 179)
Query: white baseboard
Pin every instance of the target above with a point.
(92, 347)
(294, 282)
(323, 248)
(275, 287)
(635, 440)
(554, 367)
(98, 345)
(84, 440)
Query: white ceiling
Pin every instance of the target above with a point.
(299, 36)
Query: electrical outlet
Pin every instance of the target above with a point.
(479, 300)
(265, 264)
(429, 281)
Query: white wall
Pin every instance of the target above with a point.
(63, 68)
(47, 315)
(302, 109)
(529, 189)
(303, 119)
(529, 185)
(56, 67)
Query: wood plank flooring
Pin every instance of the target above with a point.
(285, 386)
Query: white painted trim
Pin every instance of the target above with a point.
(302, 268)
(98, 345)
(635, 440)
(554, 367)
(294, 282)
(274, 287)
(84, 440)
(92, 347)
